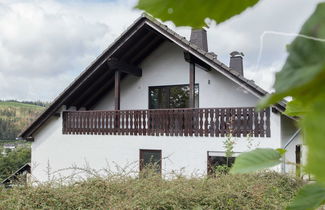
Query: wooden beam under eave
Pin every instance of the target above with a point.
(191, 58)
(117, 90)
(121, 66)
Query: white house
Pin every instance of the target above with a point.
(154, 96)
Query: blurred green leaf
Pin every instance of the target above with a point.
(303, 78)
(309, 197)
(281, 151)
(256, 160)
(304, 70)
(314, 133)
(295, 108)
(194, 12)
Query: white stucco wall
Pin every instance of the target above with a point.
(290, 155)
(289, 140)
(166, 66)
(53, 150)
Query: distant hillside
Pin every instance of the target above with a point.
(15, 116)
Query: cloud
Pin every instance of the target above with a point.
(243, 33)
(45, 44)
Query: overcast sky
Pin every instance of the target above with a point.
(45, 44)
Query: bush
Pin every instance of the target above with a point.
(251, 191)
(222, 169)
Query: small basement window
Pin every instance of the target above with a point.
(219, 159)
(150, 159)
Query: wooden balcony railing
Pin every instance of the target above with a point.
(170, 122)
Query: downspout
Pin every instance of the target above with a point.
(287, 144)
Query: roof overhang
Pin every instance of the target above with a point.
(136, 43)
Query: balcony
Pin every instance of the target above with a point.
(208, 122)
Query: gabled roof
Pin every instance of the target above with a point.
(133, 45)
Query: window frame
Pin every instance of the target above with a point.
(164, 86)
(218, 154)
(141, 151)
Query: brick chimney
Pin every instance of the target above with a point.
(236, 62)
(199, 37)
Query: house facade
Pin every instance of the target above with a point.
(154, 97)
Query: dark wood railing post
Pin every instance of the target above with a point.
(192, 85)
(189, 58)
(117, 96)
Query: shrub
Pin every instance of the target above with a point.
(222, 169)
(252, 191)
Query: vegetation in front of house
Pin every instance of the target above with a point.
(15, 116)
(249, 191)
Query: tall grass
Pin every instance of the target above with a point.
(250, 191)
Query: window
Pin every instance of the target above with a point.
(175, 96)
(218, 159)
(150, 159)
